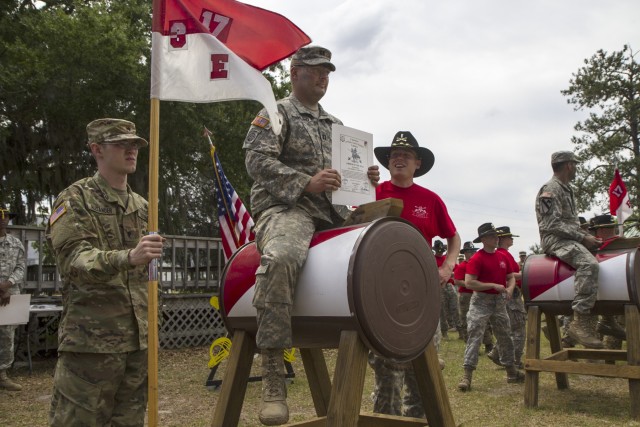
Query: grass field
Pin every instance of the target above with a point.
(185, 401)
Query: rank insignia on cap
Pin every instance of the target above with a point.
(260, 121)
(62, 209)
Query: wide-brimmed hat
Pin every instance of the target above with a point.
(505, 231)
(110, 131)
(468, 247)
(602, 221)
(485, 229)
(438, 246)
(404, 139)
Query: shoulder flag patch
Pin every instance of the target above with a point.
(260, 121)
(62, 209)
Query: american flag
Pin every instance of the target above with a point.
(235, 222)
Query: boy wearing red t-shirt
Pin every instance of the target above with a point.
(515, 305)
(489, 274)
(464, 296)
(405, 160)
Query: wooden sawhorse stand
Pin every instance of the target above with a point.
(337, 404)
(564, 362)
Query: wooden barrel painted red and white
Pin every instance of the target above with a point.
(378, 278)
(549, 283)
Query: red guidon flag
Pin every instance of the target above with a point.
(214, 50)
(619, 199)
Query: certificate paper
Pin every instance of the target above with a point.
(352, 154)
(17, 311)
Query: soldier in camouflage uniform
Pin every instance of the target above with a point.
(561, 236)
(448, 296)
(98, 234)
(515, 305)
(290, 201)
(12, 267)
(489, 274)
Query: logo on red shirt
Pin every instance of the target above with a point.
(420, 212)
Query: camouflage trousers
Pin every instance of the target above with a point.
(282, 237)
(586, 277)
(99, 389)
(390, 380)
(464, 300)
(7, 350)
(484, 308)
(448, 307)
(518, 320)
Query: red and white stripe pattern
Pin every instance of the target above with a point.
(236, 224)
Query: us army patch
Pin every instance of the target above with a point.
(545, 205)
(62, 209)
(260, 121)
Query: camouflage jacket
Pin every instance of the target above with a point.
(12, 263)
(557, 215)
(104, 298)
(282, 166)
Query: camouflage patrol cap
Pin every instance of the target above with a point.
(313, 55)
(109, 131)
(563, 156)
(522, 253)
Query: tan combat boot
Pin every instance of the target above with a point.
(274, 410)
(7, 384)
(465, 382)
(582, 331)
(608, 325)
(514, 375)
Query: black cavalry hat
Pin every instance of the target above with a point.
(404, 139)
(505, 231)
(483, 230)
(468, 247)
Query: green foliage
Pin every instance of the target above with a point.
(608, 87)
(68, 62)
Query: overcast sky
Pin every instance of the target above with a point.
(476, 82)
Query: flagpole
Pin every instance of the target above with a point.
(152, 286)
(212, 150)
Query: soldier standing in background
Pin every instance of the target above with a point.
(12, 268)
(448, 296)
(290, 201)
(515, 305)
(98, 234)
(489, 274)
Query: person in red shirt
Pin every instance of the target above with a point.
(464, 296)
(490, 275)
(405, 160)
(448, 297)
(515, 305)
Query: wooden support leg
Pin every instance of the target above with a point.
(435, 399)
(318, 376)
(632, 321)
(562, 379)
(531, 378)
(234, 384)
(348, 381)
